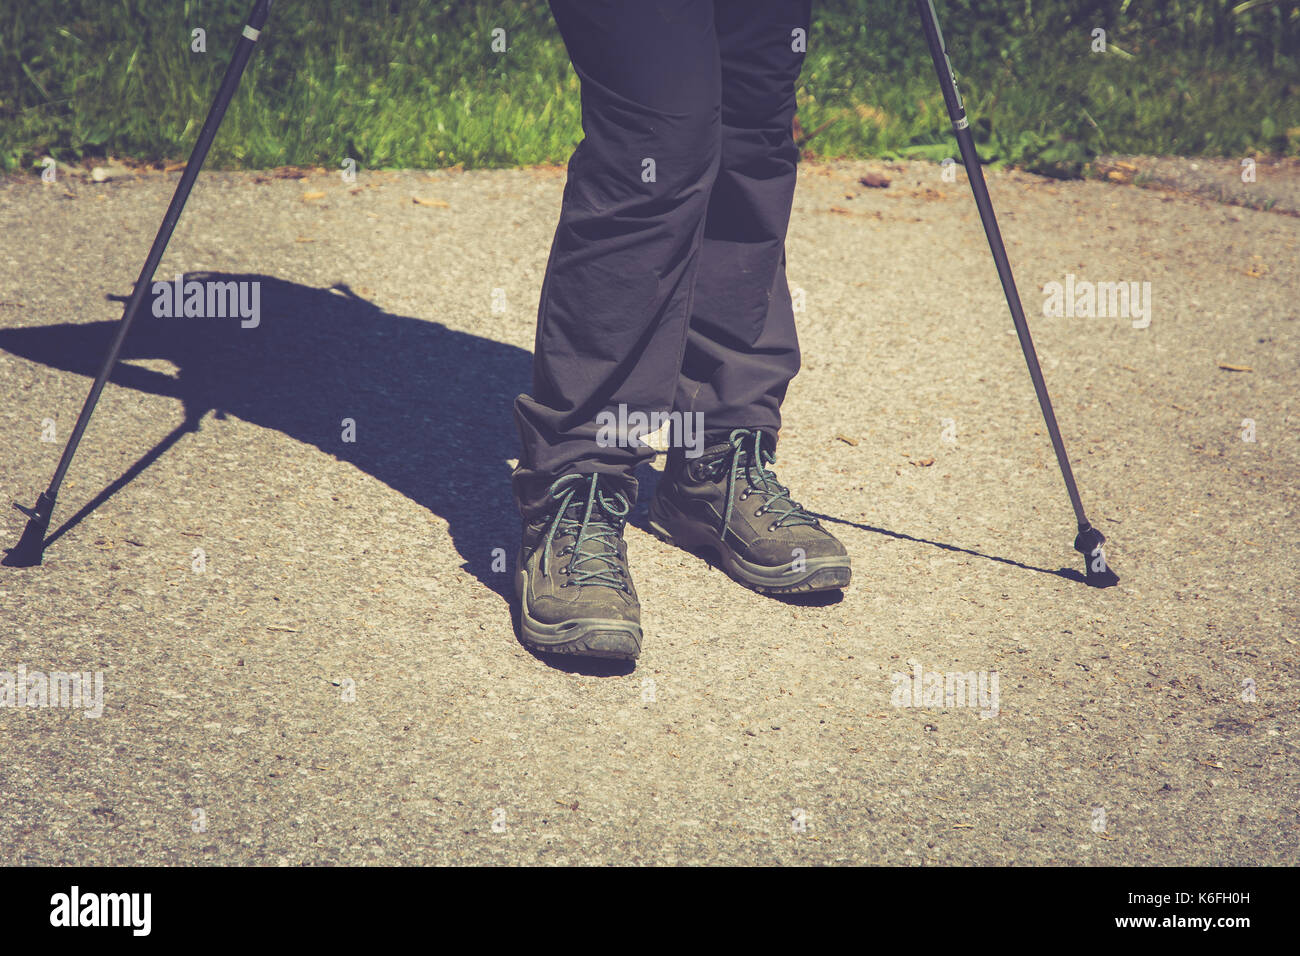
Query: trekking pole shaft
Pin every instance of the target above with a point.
(970, 159)
(229, 83)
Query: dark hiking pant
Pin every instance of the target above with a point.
(665, 290)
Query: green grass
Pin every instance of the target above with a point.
(416, 84)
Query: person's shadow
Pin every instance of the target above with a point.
(430, 406)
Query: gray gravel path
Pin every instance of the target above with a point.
(341, 683)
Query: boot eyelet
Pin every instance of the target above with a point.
(771, 527)
(760, 510)
(564, 570)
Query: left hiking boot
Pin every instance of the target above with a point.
(727, 501)
(572, 579)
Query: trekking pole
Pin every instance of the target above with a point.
(30, 549)
(1089, 540)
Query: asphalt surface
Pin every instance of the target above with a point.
(306, 643)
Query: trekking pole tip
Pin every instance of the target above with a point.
(1097, 572)
(30, 549)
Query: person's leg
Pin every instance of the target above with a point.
(616, 296)
(614, 308)
(742, 350)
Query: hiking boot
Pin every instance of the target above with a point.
(728, 502)
(575, 591)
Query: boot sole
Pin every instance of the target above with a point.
(830, 573)
(607, 638)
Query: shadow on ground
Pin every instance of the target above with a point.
(1068, 573)
(431, 406)
(648, 478)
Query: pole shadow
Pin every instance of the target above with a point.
(431, 405)
(1068, 573)
(648, 479)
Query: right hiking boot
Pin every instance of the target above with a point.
(728, 502)
(572, 580)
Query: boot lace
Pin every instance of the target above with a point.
(752, 462)
(595, 526)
